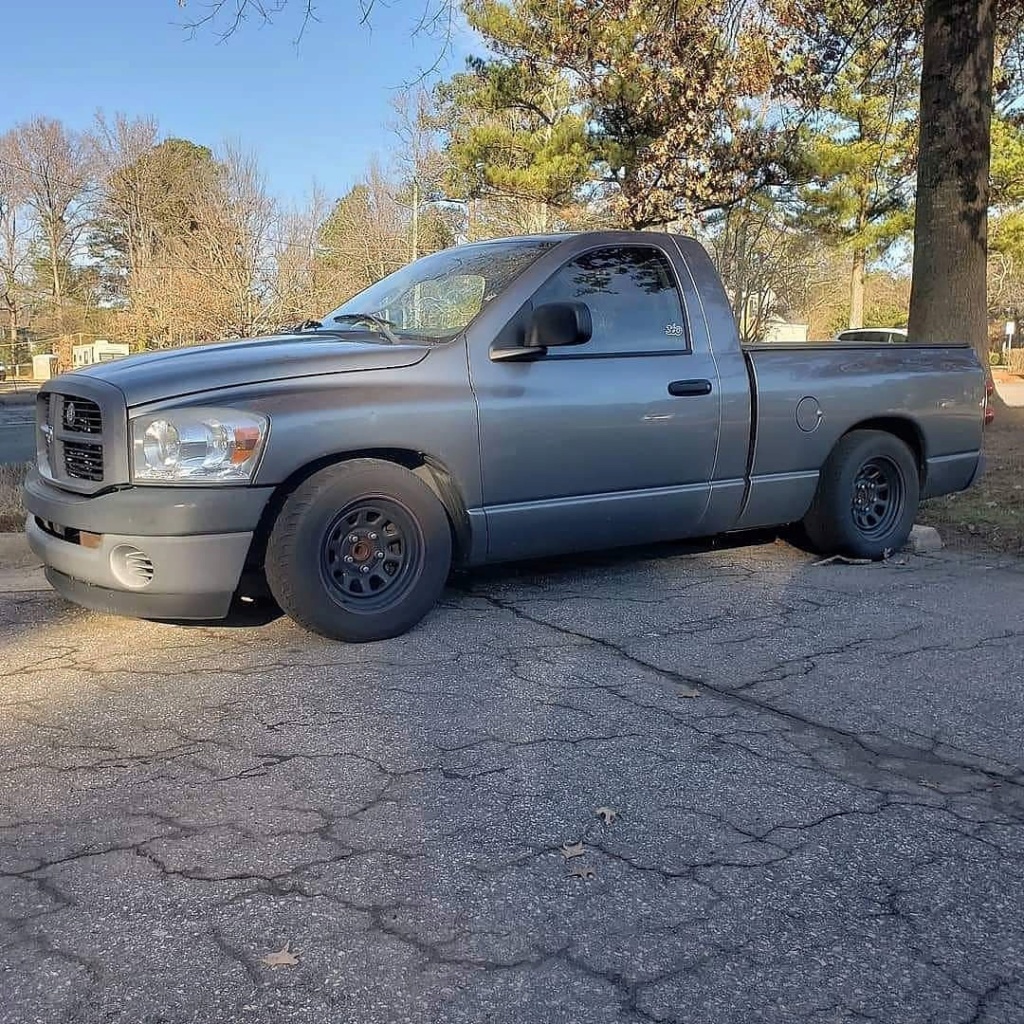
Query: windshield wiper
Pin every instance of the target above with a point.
(383, 326)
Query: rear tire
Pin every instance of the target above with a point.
(360, 551)
(867, 497)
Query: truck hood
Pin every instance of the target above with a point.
(175, 373)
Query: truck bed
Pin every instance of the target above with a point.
(806, 396)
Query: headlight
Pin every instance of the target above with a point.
(197, 445)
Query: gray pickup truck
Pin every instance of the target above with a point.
(495, 401)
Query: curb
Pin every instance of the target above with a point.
(20, 570)
(924, 540)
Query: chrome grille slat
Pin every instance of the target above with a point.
(83, 460)
(82, 415)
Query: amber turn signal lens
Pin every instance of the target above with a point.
(246, 440)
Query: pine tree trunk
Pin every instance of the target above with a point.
(857, 289)
(948, 299)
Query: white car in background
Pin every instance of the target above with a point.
(874, 335)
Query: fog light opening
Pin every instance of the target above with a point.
(131, 567)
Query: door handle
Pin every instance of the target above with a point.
(685, 388)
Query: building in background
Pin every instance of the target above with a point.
(782, 331)
(43, 366)
(97, 352)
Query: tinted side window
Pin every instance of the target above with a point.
(632, 296)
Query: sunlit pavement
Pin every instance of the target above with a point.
(817, 774)
(1010, 389)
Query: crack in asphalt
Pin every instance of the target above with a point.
(885, 751)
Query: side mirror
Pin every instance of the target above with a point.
(556, 324)
(551, 325)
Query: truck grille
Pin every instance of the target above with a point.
(83, 461)
(74, 433)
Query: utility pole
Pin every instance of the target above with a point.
(415, 216)
(417, 298)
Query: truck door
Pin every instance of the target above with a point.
(608, 443)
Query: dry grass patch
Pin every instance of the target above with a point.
(12, 512)
(990, 514)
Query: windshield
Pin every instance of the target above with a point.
(437, 296)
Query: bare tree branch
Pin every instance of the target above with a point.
(226, 17)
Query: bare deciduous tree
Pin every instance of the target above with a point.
(365, 236)
(305, 285)
(765, 265)
(55, 162)
(15, 236)
(226, 17)
(128, 185)
(214, 279)
(418, 159)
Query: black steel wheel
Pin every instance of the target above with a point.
(371, 555)
(877, 496)
(867, 496)
(360, 551)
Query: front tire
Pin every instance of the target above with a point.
(360, 551)
(867, 497)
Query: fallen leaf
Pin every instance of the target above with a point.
(570, 850)
(842, 560)
(607, 814)
(582, 871)
(284, 957)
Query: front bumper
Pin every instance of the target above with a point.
(197, 607)
(147, 552)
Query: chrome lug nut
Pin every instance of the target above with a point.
(353, 538)
(373, 536)
(349, 559)
(365, 569)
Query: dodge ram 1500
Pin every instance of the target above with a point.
(494, 401)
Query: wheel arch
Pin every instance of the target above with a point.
(901, 427)
(430, 470)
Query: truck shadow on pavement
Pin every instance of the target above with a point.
(262, 610)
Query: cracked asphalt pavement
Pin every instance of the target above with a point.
(818, 774)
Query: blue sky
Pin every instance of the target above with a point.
(313, 112)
